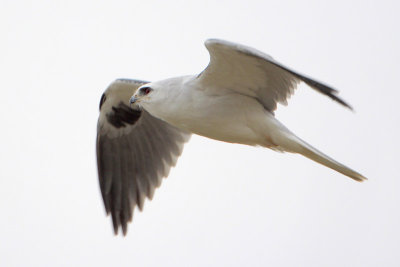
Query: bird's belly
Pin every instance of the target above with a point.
(225, 118)
(242, 137)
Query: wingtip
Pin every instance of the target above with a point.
(124, 229)
(349, 107)
(334, 97)
(340, 101)
(325, 89)
(115, 231)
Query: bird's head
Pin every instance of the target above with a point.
(143, 95)
(153, 97)
(157, 97)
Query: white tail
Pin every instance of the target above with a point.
(291, 143)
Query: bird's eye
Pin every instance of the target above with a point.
(146, 90)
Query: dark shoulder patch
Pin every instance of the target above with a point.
(102, 100)
(122, 115)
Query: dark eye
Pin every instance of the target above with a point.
(146, 90)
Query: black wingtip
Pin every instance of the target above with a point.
(339, 100)
(326, 90)
(124, 228)
(119, 221)
(115, 221)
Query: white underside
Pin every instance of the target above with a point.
(228, 116)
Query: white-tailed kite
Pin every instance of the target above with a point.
(143, 126)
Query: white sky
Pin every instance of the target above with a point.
(224, 204)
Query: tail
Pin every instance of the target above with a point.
(287, 141)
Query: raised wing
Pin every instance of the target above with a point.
(250, 72)
(134, 152)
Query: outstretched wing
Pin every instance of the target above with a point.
(134, 152)
(250, 72)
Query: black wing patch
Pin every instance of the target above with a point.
(122, 115)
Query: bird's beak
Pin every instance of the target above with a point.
(133, 99)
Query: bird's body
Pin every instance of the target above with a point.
(232, 100)
(220, 116)
(230, 117)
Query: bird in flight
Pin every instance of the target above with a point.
(143, 126)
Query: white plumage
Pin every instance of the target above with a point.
(232, 100)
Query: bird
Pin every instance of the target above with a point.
(143, 126)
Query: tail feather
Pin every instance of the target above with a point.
(317, 156)
(292, 143)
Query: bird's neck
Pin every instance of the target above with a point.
(173, 99)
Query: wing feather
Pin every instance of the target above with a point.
(253, 73)
(134, 152)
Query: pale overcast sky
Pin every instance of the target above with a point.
(224, 204)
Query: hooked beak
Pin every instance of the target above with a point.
(133, 99)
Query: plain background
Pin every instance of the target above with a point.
(224, 204)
